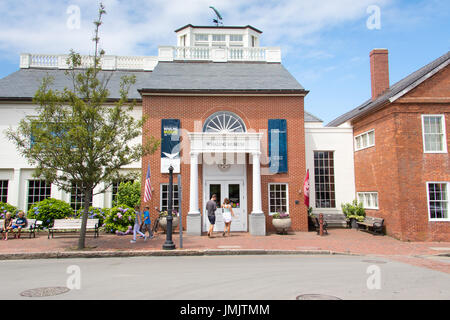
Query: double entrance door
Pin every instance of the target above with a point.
(234, 191)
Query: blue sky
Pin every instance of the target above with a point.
(325, 44)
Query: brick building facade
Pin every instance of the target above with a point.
(255, 110)
(409, 173)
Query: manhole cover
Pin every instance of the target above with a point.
(316, 297)
(44, 292)
(375, 261)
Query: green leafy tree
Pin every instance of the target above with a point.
(79, 136)
(129, 194)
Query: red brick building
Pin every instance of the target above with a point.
(223, 113)
(402, 166)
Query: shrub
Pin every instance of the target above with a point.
(119, 219)
(50, 209)
(6, 207)
(94, 213)
(128, 194)
(354, 210)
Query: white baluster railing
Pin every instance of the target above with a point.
(216, 54)
(107, 63)
(165, 53)
(43, 61)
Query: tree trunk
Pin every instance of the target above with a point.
(86, 200)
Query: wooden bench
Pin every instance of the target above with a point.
(317, 224)
(73, 225)
(376, 224)
(334, 220)
(30, 228)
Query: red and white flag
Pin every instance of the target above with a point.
(148, 187)
(306, 189)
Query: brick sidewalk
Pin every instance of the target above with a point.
(338, 240)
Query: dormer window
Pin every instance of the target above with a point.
(218, 37)
(201, 37)
(236, 38)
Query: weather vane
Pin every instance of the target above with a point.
(218, 19)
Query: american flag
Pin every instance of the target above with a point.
(148, 187)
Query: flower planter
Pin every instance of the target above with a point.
(353, 223)
(282, 225)
(163, 223)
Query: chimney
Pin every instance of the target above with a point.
(379, 71)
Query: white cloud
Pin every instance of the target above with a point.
(137, 27)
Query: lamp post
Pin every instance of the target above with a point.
(169, 245)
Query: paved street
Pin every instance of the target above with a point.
(227, 277)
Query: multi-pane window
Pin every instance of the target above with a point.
(438, 194)
(324, 179)
(201, 37)
(368, 199)
(165, 198)
(218, 37)
(76, 197)
(38, 190)
(236, 37)
(365, 140)
(433, 128)
(4, 191)
(278, 198)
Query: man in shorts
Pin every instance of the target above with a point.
(211, 207)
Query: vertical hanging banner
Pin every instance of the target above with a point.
(170, 145)
(278, 146)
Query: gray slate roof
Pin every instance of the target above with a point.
(311, 118)
(393, 90)
(221, 76)
(22, 84)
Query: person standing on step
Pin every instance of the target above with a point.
(211, 207)
(227, 213)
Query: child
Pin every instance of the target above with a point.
(21, 223)
(7, 225)
(137, 225)
(147, 223)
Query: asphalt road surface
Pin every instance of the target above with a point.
(225, 277)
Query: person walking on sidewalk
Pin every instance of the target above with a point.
(147, 223)
(211, 207)
(137, 225)
(227, 213)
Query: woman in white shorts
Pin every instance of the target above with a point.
(227, 213)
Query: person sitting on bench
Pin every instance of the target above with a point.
(7, 225)
(21, 223)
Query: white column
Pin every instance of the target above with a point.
(257, 204)
(14, 189)
(193, 194)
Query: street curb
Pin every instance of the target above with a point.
(162, 253)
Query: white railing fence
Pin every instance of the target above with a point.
(166, 53)
(59, 61)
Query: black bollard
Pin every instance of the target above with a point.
(169, 245)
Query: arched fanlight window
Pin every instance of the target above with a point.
(224, 122)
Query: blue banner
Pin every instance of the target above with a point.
(170, 138)
(170, 145)
(278, 146)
